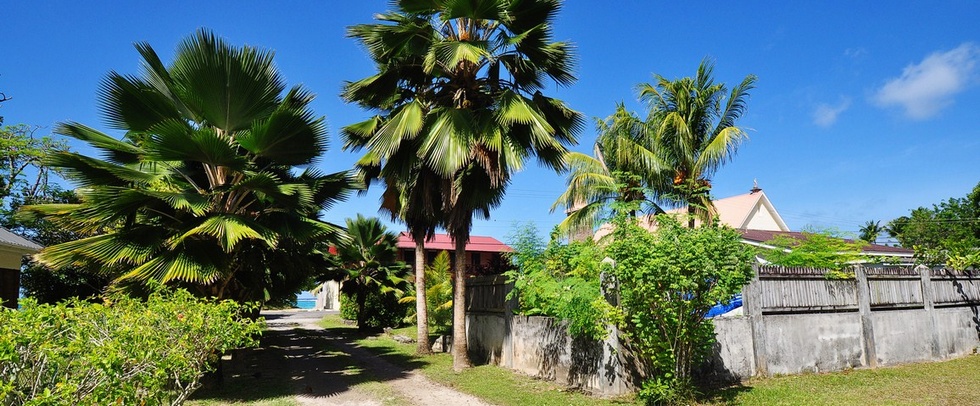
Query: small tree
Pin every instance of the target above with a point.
(668, 280)
(367, 258)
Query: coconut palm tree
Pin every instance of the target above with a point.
(691, 125)
(203, 190)
(871, 230)
(367, 257)
(622, 168)
(461, 80)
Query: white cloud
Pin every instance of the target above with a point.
(826, 115)
(855, 52)
(925, 88)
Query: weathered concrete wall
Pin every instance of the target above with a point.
(797, 343)
(733, 358)
(541, 347)
(795, 322)
(958, 330)
(486, 333)
(903, 336)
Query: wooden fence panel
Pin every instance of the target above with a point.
(807, 294)
(895, 291)
(486, 294)
(952, 287)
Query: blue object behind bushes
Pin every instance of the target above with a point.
(720, 309)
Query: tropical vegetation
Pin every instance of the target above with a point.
(816, 248)
(439, 294)
(559, 279)
(870, 231)
(367, 260)
(122, 351)
(667, 281)
(668, 158)
(458, 91)
(947, 233)
(203, 189)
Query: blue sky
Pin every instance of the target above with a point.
(861, 111)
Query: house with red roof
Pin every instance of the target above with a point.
(485, 256)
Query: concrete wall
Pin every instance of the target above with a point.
(809, 330)
(541, 347)
(798, 343)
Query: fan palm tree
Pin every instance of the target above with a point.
(691, 125)
(458, 88)
(203, 189)
(871, 230)
(367, 256)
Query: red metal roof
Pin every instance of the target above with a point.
(443, 242)
(762, 236)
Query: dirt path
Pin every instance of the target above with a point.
(329, 370)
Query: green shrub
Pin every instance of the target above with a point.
(123, 351)
(668, 280)
(560, 280)
(438, 296)
(383, 310)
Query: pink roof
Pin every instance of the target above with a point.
(444, 243)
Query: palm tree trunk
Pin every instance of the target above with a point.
(461, 359)
(690, 215)
(361, 316)
(421, 306)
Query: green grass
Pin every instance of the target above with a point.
(951, 382)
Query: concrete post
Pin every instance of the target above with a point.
(928, 304)
(867, 325)
(752, 300)
(510, 306)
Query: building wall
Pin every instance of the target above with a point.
(761, 219)
(10, 263)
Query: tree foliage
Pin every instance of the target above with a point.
(458, 88)
(870, 231)
(438, 293)
(203, 189)
(948, 233)
(688, 133)
(123, 351)
(826, 249)
(668, 280)
(560, 280)
(23, 173)
(367, 259)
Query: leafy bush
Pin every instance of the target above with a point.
(382, 310)
(122, 351)
(560, 280)
(668, 280)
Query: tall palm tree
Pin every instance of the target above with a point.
(203, 189)
(367, 256)
(461, 80)
(871, 230)
(622, 168)
(691, 123)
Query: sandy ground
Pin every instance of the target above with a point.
(323, 369)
